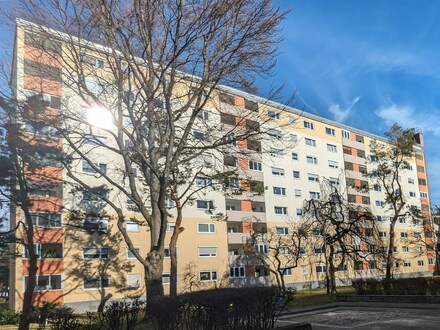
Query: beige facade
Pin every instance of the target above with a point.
(90, 265)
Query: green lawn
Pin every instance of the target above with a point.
(306, 298)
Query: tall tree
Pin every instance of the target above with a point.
(144, 73)
(388, 162)
(28, 149)
(343, 231)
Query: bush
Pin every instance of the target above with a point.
(122, 314)
(434, 285)
(359, 286)
(397, 286)
(372, 286)
(244, 308)
(9, 317)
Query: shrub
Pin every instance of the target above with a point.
(244, 308)
(122, 314)
(9, 317)
(372, 286)
(359, 286)
(434, 285)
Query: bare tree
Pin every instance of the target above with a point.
(280, 251)
(149, 70)
(26, 186)
(388, 162)
(344, 232)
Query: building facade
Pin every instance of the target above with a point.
(85, 265)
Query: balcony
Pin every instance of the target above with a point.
(246, 216)
(238, 238)
(353, 144)
(244, 260)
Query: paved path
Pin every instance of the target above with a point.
(368, 316)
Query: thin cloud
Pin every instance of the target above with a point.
(341, 115)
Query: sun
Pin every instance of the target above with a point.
(99, 117)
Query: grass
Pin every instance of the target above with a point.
(315, 297)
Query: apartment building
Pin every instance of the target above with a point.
(85, 266)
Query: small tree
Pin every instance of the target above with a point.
(344, 230)
(388, 162)
(281, 252)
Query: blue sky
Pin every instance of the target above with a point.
(366, 63)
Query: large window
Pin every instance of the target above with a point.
(282, 230)
(312, 160)
(88, 168)
(47, 251)
(134, 280)
(280, 209)
(204, 204)
(277, 171)
(46, 282)
(96, 282)
(132, 226)
(310, 142)
(207, 251)
(206, 228)
(279, 191)
(236, 272)
(94, 252)
(96, 224)
(208, 275)
(255, 166)
(46, 220)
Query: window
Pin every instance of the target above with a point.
(203, 181)
(382, 234)
(299, 211)
(94, 139)
(309, 125)
(284, 250)
(166, 252)
(279, 191)
(293, 138)
(261, 248)
(420, 263)
(205, 205)
(431, 261)
(296, 174)
(97, 282)
(310, 142)
(203, 114)
(379, 203)
(199, 135)
(46, 282)
(333, 164)
(376, 187)
(228, 161)
(412, 194)
(277, 171)
(208, 251)
(411, 180)
(298, 193)
(280, 210)
(282, 230)
(273, 114)
(405, 249)
(46, 220)
(314, 195)
(345, 134)
(96, 224)
(422, 182)
(380, 218)
(274, 152)
(95, 252)
(403, 235)
(330, 131)
(132, 227)
(294, 156)
(133, 280)
(402, 220)
(206, 228)
(334, 181)
(331, 148)
(407, 263)
(317, 249)
(321, 269)
(423, 194)
(232, 183)
(275, 133)
(130, 254)
(292, 119)
(166, 278)
(255, 166)
(46, 251)
(236, 272)
(286, 271)
(88, 168)
(312, 160)
(170, 227)
(313, 177)
(207, 276)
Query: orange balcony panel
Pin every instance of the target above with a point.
(36, 139)
(46, 204)
(42, 85)
(242, 144)
(250, 271)
(45, 174)
(246, 206)
(423, 188)
(356, 167)
(45, 267)
(358, 199)
(243, 163)
(239, 101)
(53, 296)
(240, 121)
(421, 175)
(247, 227)
(48, 235)
(244, 185)
(420, 162)
(431, 268)
(50, 115)
(42, 56)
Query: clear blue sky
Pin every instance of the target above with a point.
(366, 63)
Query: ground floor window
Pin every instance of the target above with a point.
(46, 282)
(97, 282)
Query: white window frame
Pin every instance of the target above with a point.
(312, 160)
(255, 166)
(280, 191)
(132, 227)
(332, 147)
(330, 131)
(277, 171)
(310, 142)
(210, 226)
(213, 275)
(309, 124)
(207, 254)
(138, 279)
(282, 231)
(283, 210)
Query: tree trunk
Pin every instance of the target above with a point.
(390, 253)
(26, 315)
(173, 249)
(153, 275)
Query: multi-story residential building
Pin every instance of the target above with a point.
(84, 267)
